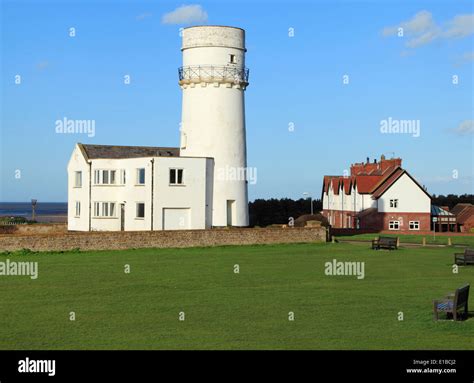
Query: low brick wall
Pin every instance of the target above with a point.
(340, 231)
(159, 239)
(37, 228)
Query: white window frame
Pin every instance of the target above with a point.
(394, 203)
(138, 176)
(136, 210)
(105, 209)
(392, 224)
(78, 176)
(101, 174)
(414, 225)
(176, 183)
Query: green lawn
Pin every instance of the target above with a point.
(414, 238)
(224, 310)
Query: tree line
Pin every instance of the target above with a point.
(264, 212)
(451, 200)
(278, 211)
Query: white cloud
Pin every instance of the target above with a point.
(465, 127)
(420, 23)
(421, 29)
(460, 26)
(186, 14)
(423, 39)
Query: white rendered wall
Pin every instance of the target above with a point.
(193, 194)
(78, 163)
(213, 116)
(411, 199)
(130, 194)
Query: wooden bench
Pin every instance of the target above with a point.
(466, 258)
(384, 243)
(452, 303)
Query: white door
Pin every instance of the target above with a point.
(176, 219)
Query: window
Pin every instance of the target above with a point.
(122, 177)
(232, 59)
(394, 225)
(141, 176)
(176, 176)
(105, 177)
(78, 179)
(140, 210)
(394, 203)
(104, 209)
(414, 225)
(78, 209)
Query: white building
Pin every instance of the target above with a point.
(199, 185)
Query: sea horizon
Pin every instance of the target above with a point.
(24, 209)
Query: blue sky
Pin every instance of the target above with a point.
(295, 80)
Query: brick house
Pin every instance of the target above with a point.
(465, 217)
(377, 196)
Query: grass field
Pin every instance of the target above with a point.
(414, 238)
(225, 310)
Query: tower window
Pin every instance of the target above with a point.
(232, 59)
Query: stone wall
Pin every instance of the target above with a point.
(37, 228)
(159, 239)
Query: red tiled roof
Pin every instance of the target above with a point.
(335, 185)
(347, 183)
(370, 178)
(366, 183)
(460, 207)
(388, 181)
(463, 212)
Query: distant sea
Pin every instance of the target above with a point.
(23, 209)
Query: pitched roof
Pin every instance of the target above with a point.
(438, 210)
(375, 184)
(335, 185)
(366, 183)
(460, 207)
(390, 179)
(463, 212)
(386, 182)
(118, 152)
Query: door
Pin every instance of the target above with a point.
(176, 219)
(230, 212)
(122, 217)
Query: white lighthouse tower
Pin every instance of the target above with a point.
(213, 79)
